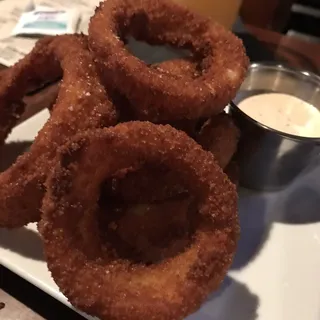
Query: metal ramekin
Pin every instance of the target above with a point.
(270, 159)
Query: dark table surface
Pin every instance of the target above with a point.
(24, 301)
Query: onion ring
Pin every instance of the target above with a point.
(154, 95)
(17, 80)
(150, 213)
(81, 104)
(89, 272)
(220, 136)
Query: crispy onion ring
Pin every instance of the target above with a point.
(155, 95)
(141, 220)
(220, 136)
(89, 272)
(81, 104)
(18, 80)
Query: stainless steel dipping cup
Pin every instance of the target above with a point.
(270, 159)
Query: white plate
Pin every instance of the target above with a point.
(276, 271)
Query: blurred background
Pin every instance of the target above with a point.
(299, 18)
(286, 31)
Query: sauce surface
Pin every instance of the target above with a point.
(284, 113)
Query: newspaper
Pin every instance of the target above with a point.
(13, 48)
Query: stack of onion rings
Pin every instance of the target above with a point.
(138, 219)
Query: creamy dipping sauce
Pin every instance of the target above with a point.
(284, 113)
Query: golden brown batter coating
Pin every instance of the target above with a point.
(89, 272)
(156, 95)
(220, 136)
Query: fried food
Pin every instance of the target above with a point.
(137, 218)
(18, 80)
(156, 95)
(220, 136)
(89, 272)
(81, 104)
